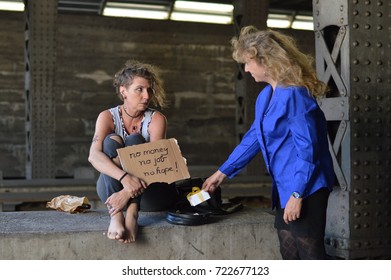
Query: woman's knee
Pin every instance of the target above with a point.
(111, 143)
(134, 139)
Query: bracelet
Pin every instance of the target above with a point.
(123, 176)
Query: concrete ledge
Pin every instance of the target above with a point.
(42, 235)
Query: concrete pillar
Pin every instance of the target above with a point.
(248, 12)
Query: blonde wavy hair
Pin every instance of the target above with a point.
(280, 55)
(132, 69)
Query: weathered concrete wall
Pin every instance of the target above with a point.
(196, 66)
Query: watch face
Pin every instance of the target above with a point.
(296, 195)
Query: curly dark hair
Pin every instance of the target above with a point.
(131, 69)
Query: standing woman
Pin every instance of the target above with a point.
(131, 123)
(290, 131)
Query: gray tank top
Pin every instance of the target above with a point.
(119, 127)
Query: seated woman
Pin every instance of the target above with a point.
(131, 123)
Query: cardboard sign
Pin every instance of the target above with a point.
(158, 161)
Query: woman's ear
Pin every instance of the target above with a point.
(122, 91)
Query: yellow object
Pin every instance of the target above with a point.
(197, 196)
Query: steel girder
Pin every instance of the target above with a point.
(40, 58)
(352, 38)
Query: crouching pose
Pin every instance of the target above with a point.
(131, 123)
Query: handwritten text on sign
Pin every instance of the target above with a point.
(159, 161)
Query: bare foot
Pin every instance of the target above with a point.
(131, 222)
(117, 229)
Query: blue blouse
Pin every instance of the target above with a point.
(290, 131)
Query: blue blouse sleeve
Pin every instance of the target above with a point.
(242, 154)
(303, 126)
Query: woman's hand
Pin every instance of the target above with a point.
(213, 181)
(292, 209)
(133, 187)
(117, 202)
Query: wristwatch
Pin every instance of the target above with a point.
(296, 195)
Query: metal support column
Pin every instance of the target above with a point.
(40, 60)
(352, 38)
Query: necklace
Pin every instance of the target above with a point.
(134, 127)
(129, 115)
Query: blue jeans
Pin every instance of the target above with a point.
(107, 185)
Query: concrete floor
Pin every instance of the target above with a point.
(42, 235)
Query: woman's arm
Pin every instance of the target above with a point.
(158, 127)
(99, 160)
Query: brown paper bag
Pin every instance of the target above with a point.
(69, 203)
